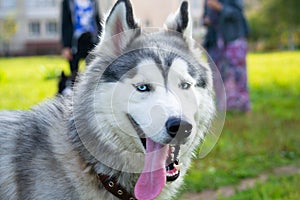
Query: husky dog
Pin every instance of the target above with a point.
(129, 129)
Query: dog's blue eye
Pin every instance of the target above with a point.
(143, 88)
(185, 85)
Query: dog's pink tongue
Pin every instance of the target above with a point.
(153, 178)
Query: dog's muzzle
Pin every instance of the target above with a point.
(178, 130)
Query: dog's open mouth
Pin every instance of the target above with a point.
(172, 162)
(161, 165)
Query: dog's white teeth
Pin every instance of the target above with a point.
(172, 153)
(177, 167)
(172, 149)
(172, 156)
(172, 174)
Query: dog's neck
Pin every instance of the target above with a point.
(124, 180)
(119, 184)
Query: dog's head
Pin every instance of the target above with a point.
(153, 91)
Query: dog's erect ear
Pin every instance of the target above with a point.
(119, 20)
(181, 21)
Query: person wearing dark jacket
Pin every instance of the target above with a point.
(226, 43)
(80, 30)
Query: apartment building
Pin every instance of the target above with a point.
(38, 21)
(37, 25)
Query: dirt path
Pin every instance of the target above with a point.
(227, 191)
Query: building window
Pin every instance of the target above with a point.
(34, 28)
(8, 4)
(41, 3)
(51, 28)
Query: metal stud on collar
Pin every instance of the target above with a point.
(120, 192)
(111, 184)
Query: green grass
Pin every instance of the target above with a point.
(249, 144)
(283, 188)
(267, 137)
(27, 81)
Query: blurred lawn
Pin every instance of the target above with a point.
(267, 137)
(249, 145)
(27, 81)
(284, 188)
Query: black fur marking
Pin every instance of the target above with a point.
(199, 75)
(202, 81)
(121, 68)
(125, 65)
(129, 13)
(160, 54)
(168, 62)
(184, 17)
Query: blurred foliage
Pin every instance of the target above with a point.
(8, 28)
(275, 24)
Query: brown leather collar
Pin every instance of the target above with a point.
(112, 186)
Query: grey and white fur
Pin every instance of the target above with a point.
(136, 82)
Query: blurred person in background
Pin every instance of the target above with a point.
(80, 30)
(225, 42)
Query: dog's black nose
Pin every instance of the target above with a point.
(177, 127)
